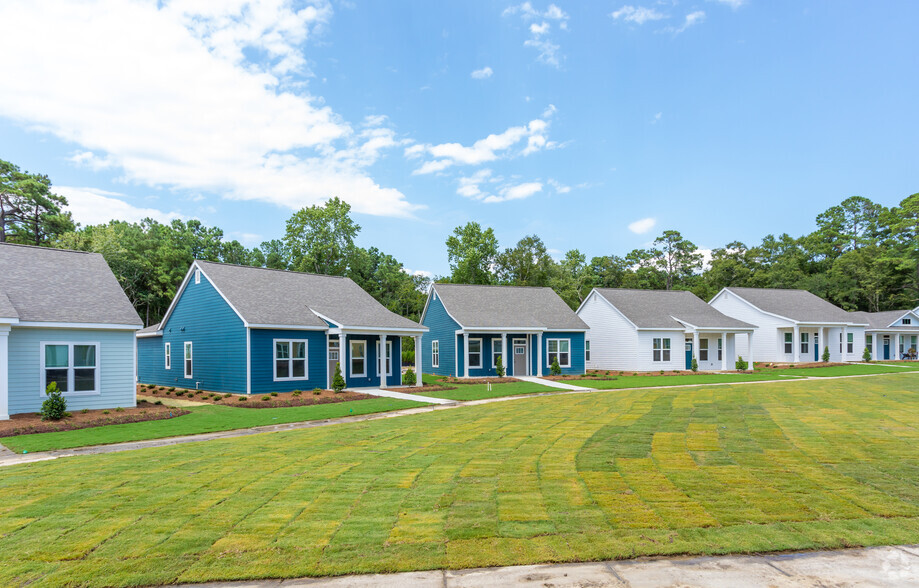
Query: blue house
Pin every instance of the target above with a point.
(471, 326)
(248, 330)
(65, 319)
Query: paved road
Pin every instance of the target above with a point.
(874, 566)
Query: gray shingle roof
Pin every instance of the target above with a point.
(57, 285)
(658, 309)
(798, 305)
(7, 310)
(882, 320)
(508, 306)
(274, 297)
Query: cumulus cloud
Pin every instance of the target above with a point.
(484, 186)
(481, 74)
(637, 14)
(642, 226)
(191, 95)
(692, 19)
(559, 187)
(735, 4)
(548, 49)
(91, 206)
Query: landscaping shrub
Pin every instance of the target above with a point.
(159, 402)
(154, 391)
(172, 388)
(266, 398)
(180, 393)
(499, 367)
(104, 412)
(168, 393)
(54, 408)
(826, 355)
(408, 357)
(694, 366)
(296, 393)
(242, 399)
(409, 378)
(227, 395)
(338, 382)
(274, 393)
(866, 355)
(317, 391)
(119, 409)
(741, 365)
(84, 411)
(555, 370)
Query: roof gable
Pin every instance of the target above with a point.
(888, 319)
(667, 309)
(475, 306)
(798, 305)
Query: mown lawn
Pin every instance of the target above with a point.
(815, 464)
(480, 391)
(841, 370)
(203, 419)
(649, 381)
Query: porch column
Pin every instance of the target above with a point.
(504, 356)
(381, 361)
(874, 346)
(824, 341)
(418, 364)
(796, 343)
(695, 347)
(845, 344)
(465, 354)
(4, 373)
(343, 360)
(896, 346)
(750, 352)
(724, 352)
(539, 354)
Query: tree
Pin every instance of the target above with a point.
(608, 271)
(320, 239)
(472, 252)
(30, 213)
(849, 225)
(676, 257)
(526, 264)
(903, 221)
(572, 278)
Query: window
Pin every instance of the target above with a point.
(290, 359)
(805, 342)
(720, 349)
(197, 276)
(840, 342)
(586, 350)
(435, 353)
(661, 350)
(358, 359)
(850, 342)
(789, 343)
(475, 353)
(74, 367)
(168, 350)
(907, 321)
(388, 358)
(188, 356)
(496, 353)
(561, 349)
(703, 349)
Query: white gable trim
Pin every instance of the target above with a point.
(908, 314)
(41, 325)
(619, 312)
(184, 284)
(428, 301)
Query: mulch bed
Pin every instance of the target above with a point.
(281, 399)
(504, 380)
(23, 424)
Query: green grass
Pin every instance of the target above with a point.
(203, 419)
(479, 391)
(650, 381)
(702, 470)
(841, 370)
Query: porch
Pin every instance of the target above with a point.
(892, 345)
(363, 364)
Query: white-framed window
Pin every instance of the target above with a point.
(290, 360)
(475, 353)
(703, 349)
(805, 342)
(789, 343)
(587, 350)
(907, 321)
(661, 350)
(840, 342)
(560, 349)
(188, 359)
(167, 349)
(358, 359)
(197, 276)
(388, 358)
(496, 353)
(869, 343)
(74, 367)
(435, 353)
(850, 342)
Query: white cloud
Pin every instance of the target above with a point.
(472, 187)
(642, 226)
(637, 14)
(490, 148)
(735, 4)
(93, 207)
(168, 94)
(481, 74)
(692, 19)
(422, 273)
(515, 192)
(559, 187)
(539, 40)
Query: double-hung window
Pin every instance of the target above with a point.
(789, 343)
(435, 353)
(358, 359)
(475, 353)
(74, 367)
(496, 353)
(661, 349)
(720, 349)
(168, 350)
(559, 349)
(188, 359)
(805, 342)
(290, 359)
(587, 350)
(388, 358)
(703, 349)
(850, 342)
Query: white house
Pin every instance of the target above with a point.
(891, 334)
(649, 330)
(794, 326)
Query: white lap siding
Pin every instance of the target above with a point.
(613, 340)
(767, 341)
(646, 363)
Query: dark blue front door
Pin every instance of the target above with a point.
(689, 355)
(816, 347)
(886, 347)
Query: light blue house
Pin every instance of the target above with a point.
(471, 326)
(63, 318)
(248, 330)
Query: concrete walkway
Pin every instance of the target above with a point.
(873, 566)
(552, 383)
(403, 396)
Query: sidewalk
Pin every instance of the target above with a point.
(872, 566)
(552, 383)
(403, 396)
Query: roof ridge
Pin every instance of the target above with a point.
(44, 248)
(494, 286)
(270, 269)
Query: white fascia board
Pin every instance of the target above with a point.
(908, 313)
(694, 328)
(578, 330)
(105, 326)
(147, 335)
(447, 310)
(660, 329)
(593, 292)
(289, 327)
(9, 321)
(486, 330)
(326, 319)
(419, 329)
(427, 301)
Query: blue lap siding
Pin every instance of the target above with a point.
(442, 329)
(372, 378)
(262, 365)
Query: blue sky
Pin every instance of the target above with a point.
(595, 125)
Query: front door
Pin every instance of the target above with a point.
(816, 347)
(333, 358)
(689, 354)
(520, 359)
(886, 346)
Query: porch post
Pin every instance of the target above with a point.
(724, 352)
(796, 343)
(695, 346)
(750, 352)
(896, 346)
(539, 354)
(381, 361)
(465, 354)
(343, 360)
(504, 356)
(824, 341)
(874, 346)
(845, 344)
(4, 373)
(418, 365)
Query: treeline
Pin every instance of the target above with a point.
(861, 256)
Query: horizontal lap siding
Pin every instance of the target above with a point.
(646, 361)
(441, 328)
(218, 339)
(262, 364)
(613, 340)
(766, 339)
(116, 365)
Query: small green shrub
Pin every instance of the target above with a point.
(409, 378)
(338, 382)
(172, 388)
(555, 370)
(266, 398)
(242, 399)
(84, 411)
(694, 366)
(158, 402)
(274, 393)
(104, 412)
(317, 391)
(180, 393)
(296, 393)
(499, 367)
(168, 393)
(866, 355)
(740, 365)
(826, 355)
(119, 409)
(227, 395)
(54, 408)
(154, 391)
